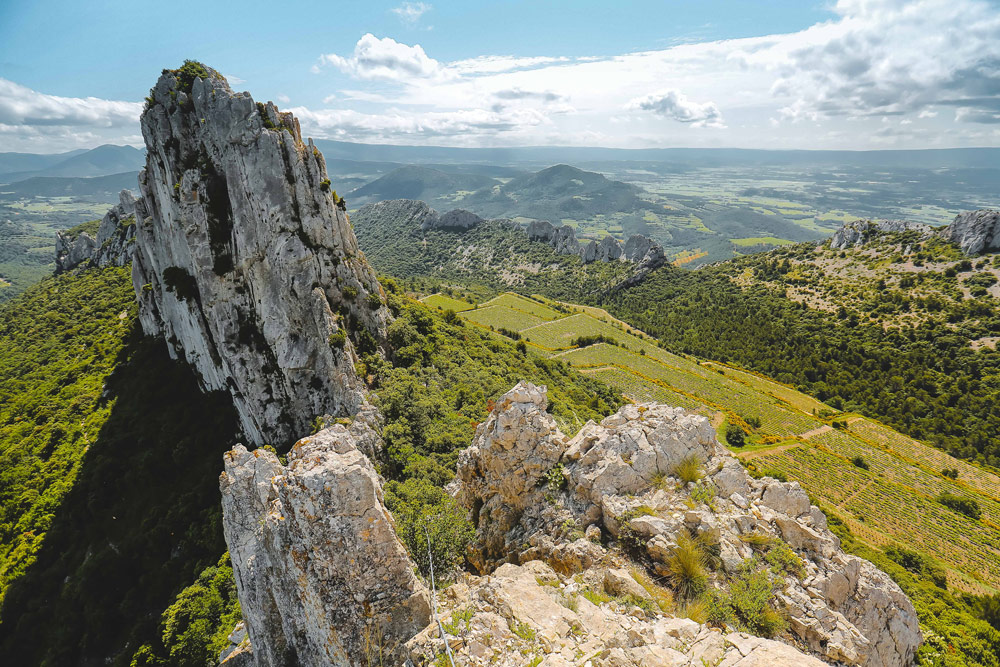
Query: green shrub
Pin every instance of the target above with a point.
(188, 72)
(747, 605)
(859, 462)
(374, 301)
(418, 506)
(735, 435)
(350, 292)
(338, 339)
(966, 506)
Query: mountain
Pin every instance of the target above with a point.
(96, 188)
(20, 162)
(414, 182)
(101, 161)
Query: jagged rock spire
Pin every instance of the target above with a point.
(246, 261)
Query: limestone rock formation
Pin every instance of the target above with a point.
(245, 264)
(860, 232)
(459, 219)
(618, 476)
(540, 230)
(115, 240)
(321, 575)
(530, 612)
(975, 232)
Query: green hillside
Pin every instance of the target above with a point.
(881, 488)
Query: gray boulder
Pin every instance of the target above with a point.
(975, 231)
(246, 264)
(541, 230)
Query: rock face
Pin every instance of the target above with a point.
(861, 232)
(321, 575)
(245, 264)
(459, 219)
(975, 231)
(533, 494)
(523, 611)
(115, 240)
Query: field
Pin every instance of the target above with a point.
(891, 498)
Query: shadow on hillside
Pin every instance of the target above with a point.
(142, 519)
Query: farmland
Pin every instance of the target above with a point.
(883, 484)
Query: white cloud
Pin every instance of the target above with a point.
(385, 58)
(234, 80)
(20, 105)
(284, 99)
(496, 64)
(410, 12)
(471, 124)
(675, 105)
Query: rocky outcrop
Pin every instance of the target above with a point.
(321, 575)
(246, 264)
(521, 614)
(534, 494)
(861, 232)
(540, 230)
(458, 219)
(608, 249)
(115, 240)
(975, 232)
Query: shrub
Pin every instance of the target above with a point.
(735, 435)
(753, 421)
(188, 72)
(686, 567)
(859, 462)
(338, 339)
(584, 341)
(918, 563)
(951, 473)
(688, 469)
(419, 506)
(374, 301)
(966, 506)
(350, 292)
(747, 604)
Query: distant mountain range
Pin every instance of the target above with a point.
(98, 188)
(101, 161)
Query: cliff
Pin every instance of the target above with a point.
(861, 232)
(246, 264)
(114, 245)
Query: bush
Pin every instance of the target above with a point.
(919, 564)
(189, 71)
(753, 421)
(419, 506)
(859, 462)
(735, 435)
(966, 506)
(747, 604)
(951, 473)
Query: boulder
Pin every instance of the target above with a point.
(246, 265)
(975, 232)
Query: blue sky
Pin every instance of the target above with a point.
(846, 74)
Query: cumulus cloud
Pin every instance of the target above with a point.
(410, 12)
(385, 58)
(394, 124)
(675, 105)
(885, 57)
(20, 105)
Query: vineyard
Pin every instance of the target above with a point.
(891, 498)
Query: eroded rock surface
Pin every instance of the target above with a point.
(535, 494)
(975, 232)
(530, 612)
(861, 232)
(115, 240)
(321, 575)
(245, 263)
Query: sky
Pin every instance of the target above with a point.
(791, 74)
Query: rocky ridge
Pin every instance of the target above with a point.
(615, 480)
(319, 568)
(975, 232)
(861, 232)
(115, 240)
(246, 264)
(638, 249)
